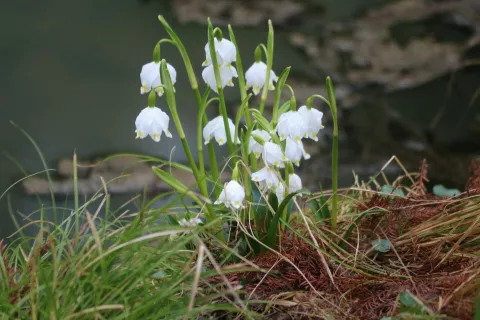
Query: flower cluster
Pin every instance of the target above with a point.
(226, 54)
(152, 121)
(277, 144)
(292, 126)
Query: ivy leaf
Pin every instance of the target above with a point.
(390, 190)
(410, 304)
(382, 245)
(440, 191)
(159, 275)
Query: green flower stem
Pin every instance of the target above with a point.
(288, 170)
(156, 50)
(218, 79)
(278, 95)
(201, 122)
(211, 149)
(203, 107)
(243, 94)
(293, 101)
(170, 97)
(241, 76)
(333, 108)
(183, 52)
(332, 104)
(194, 84)
(269, 67)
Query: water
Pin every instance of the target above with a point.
(70, 78)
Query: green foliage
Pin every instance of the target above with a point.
(390, 190)
(268, 217)
(441, 191)
(381, 245)
(319, 208)
(410, 304)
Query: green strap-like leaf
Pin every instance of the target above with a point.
(272, 234)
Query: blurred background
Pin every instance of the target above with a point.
(407, 75)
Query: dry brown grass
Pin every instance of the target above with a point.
(435, 256)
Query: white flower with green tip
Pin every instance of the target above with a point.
(256, 76)
(272, 155)
(292, 125)
(294, 183)
(255, 147)
(267, 177)
(294, 151)
(280, 192)
(152, 121)
(190, 223)
(227, 73)
(313, 120)
(150, 77)
(225, 51)
(215, 128)
(232, 195)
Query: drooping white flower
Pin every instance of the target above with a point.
(313, 120)
(280, 192)
(225, 51)
(268, 176)
(294, 183)
(256, 76)
(294, 151)
(227, 73)
(190, 223)
(150, 77)
(254, 146)
(292, 124)
(232, 195)
(272, 155)
(152, 121)
(216, 128)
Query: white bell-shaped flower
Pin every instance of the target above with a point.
(254, 146)
(294, 183)
(291, 124)
(232, 195)
(268, 177)
(152, 121)
(190, 223)
(313, 120)
(225, 51)
(280, 192)
(256, 76)
(150, 77)
(216, 128)
(227, 73)
(272, 155)
(294, 151)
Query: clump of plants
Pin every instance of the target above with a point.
(262, 153)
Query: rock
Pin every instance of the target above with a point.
(119, 175)
(65, 168)
(224, 12)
